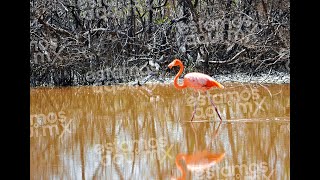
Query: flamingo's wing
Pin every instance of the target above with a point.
(198, 80)
(201, 81)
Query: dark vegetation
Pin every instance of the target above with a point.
(83, 42)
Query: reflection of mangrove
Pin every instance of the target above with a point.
(52, 124)
(101, 118)
(242, 102)
(123, 152)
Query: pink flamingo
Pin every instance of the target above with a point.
(197, 81)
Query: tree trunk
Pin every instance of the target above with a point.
(226, 23)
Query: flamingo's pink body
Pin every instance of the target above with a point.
(197, 81)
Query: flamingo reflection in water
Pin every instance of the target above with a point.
(197, 161)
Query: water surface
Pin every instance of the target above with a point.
(144, 132)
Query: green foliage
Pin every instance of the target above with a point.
(162, 20)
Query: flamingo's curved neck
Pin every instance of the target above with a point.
(175, 82)
(179, 166)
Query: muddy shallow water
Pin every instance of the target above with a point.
(144, 132)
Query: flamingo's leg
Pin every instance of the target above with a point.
(195, 106)
(215, 107)
(216, 132)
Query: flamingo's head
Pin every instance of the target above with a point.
(175, 62)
